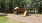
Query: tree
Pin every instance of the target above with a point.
(2, 2)
(37, 4)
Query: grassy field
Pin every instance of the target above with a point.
(4, 19)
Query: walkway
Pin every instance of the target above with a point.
(29, 19)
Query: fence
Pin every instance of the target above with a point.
(35, 11)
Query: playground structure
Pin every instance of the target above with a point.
(21, 11)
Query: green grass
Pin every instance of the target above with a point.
(4, 19)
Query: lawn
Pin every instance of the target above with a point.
(4, 19)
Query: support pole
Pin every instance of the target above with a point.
(35, 11)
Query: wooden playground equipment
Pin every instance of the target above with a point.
(21, 10)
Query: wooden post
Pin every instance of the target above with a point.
(35, 11)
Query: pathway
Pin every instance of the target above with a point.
(29, 19)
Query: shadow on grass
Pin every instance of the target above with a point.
(3, 15)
